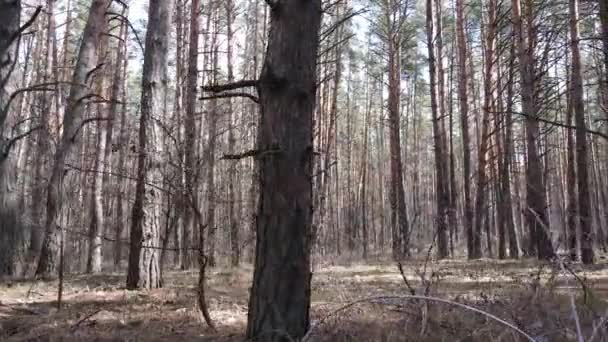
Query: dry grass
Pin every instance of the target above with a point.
(534, 298)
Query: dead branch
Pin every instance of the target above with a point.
(249, 154)
(74, 327)
(27, 24)
(218, 88)
(231, 95)
(15, 139)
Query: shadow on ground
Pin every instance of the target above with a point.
(534, 298)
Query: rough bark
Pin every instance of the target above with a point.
(144, 254)
(235, 255)
(536, 204)
(212, 121)
(72, 123)
(11, 232)
(507, 198)
(397, 194)
(119, 92)
(440, 160)
(582, 166)
(464, 123)
(190, 141)
(42, 137)
(481, 206)
(280, 296)
(97, 223)
(604, 23)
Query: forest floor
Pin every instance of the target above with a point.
(350, 302)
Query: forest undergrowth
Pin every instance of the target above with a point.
(374, 301)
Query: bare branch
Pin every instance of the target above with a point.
(218, 88)
(560, 124)
(15, 139)
(231, 95)
(26, 25)
(249, 154)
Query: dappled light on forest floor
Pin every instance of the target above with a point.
(358, 302)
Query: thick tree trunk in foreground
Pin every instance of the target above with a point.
(72, 124)
(604, 21)
(11, 232)
(144, 255)
(280, 297)
(578, 105)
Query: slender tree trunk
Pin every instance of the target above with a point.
(578, 105)
(210, 157)
(481, 205)
(43, 136)
(235, 256)
(464, 123)
(97, 223)
(604, 22)
(507, 198)
(280, 296)
(397, 195)
(571, 208)
(536, 206)
(123, 148)
(72, 123)
(144, 255)
(190, 142)
(442, 196)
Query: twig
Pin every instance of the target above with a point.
(425, 298)
(15, 139)
(84, 319)
(577, 320)
(599, 327)
(407, 283)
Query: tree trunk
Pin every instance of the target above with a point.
(280, 296)
(397, 195)
(119, 92)
(97, 223)
(464, 123)
(536, 206)
(235, 255)
(481, 205)
(604, 22)
(72, 123)
(11, 232)
(144, 254)
(210, 157)
(42, 137)
(190, 141)
(440, 182)
(507, 198)
(578, 105)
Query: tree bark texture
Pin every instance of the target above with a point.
(144, 255)
(280, 297)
